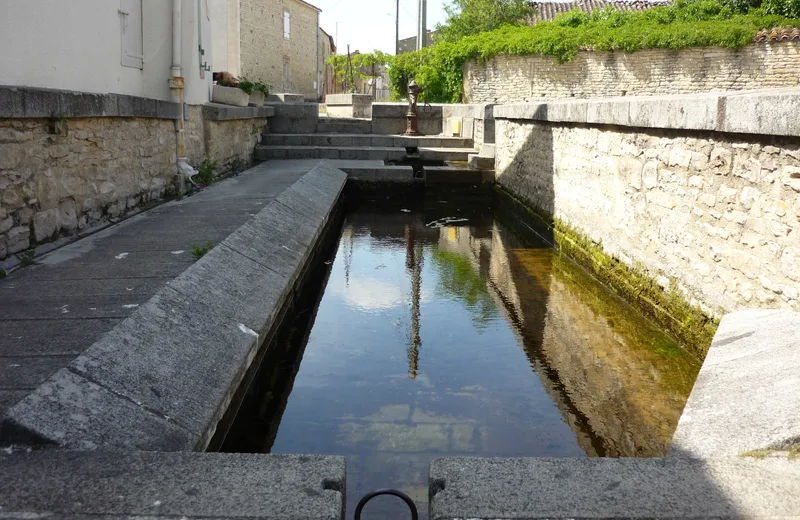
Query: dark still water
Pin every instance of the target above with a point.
(443, 333)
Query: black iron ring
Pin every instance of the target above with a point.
(393, 492)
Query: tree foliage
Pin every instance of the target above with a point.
(363, 66)
(470, 17)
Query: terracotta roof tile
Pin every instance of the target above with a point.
(778, 34)
(546, 11)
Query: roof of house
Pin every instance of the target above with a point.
(314, 7)
(333, 43)
(546, 11)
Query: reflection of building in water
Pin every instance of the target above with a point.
(619, 394)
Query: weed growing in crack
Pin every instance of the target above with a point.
(199, 251)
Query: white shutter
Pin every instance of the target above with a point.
(287, 24)
(130, 17)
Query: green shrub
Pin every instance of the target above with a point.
(788, 8)
(247, 86)
(470, 17)
(264, 88)
(207, 171)
(684, 24)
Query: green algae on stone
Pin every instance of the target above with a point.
(692, 327)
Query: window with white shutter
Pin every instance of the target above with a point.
(130, 16)
(287, 24)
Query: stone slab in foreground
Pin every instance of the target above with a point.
(614, 488)
(164, 378)
(176, 485)
(747, 395)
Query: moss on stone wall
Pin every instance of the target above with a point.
(692, 327)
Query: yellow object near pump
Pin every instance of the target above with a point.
(455, 125)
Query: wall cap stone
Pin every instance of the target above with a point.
(764, 112)
(68, 484)
(488, 488)
(218, 112)
(348, 99)
(745, 396)
(28, 103)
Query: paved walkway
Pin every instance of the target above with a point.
(53, 311)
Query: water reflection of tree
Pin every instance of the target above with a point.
(414, 258)
(459, 277)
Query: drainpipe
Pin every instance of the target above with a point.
(176, 84)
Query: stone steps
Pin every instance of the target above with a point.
(357, 140)
(344, 126)
(457, 174)
(480, 162)
(376, 172)
(363, 153)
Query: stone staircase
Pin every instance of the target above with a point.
(351, 146)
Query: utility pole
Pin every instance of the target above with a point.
(422, 29)
(397, 31)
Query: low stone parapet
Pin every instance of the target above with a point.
(166, 377)
(745, 401)
(691, 200)
(73, 161)
(171, 485)
(614, 488)
(357, 106)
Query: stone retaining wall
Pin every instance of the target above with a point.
(62, 174)
(509, 79)
(92, 169)
(712, 214)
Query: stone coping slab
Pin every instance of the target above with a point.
(62, 484)
(218, 112)
(747, 394)
(28, 102)
(764, 112)
(163, 378)
(348, 99)
(528, 488)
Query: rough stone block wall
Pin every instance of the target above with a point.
(507, 79)
(88, 171)
(717, 214)
(233, 141)
(92, 170)
(264, 48)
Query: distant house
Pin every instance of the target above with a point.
(546, 11)
(275, 41)
(327, 48)
(410, 44)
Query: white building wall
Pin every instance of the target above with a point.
(219, 34)
(77, 45)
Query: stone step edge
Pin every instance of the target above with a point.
(369, 136)
(373, 148)
(150, 384)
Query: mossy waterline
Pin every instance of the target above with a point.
(689, 324)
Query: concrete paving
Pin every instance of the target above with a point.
(171, 485)
(614, 488)
(51, 312)
(165, 377)
(746, 395)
